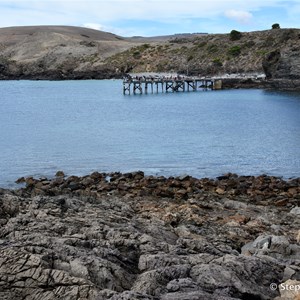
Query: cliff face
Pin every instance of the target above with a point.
(53, 52)
(284, 62)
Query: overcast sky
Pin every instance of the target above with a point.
(153, 17)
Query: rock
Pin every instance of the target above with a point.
(233, 274)
(288, 273)
(198, 295)
(284, 63)
(60, 174)
(182, 284)
(290, 290)
(270, 63)
(220, 191)
(31, 276)
(295, 211)
(20, 180)
(230, 204)
(9, 206)
(128, 295)
(275, 246)
(30, 181)
(131, 236)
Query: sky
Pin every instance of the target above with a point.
(153, 17)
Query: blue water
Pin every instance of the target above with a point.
(83, 126)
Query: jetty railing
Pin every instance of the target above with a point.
(144, 84)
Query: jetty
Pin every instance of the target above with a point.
(145, 84)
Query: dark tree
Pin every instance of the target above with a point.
(235, 35)
(276, 26)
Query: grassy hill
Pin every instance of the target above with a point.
(58, 52)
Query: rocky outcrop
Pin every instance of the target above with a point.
(12, 72)
(271, 63)
(284, 62)
(130, 236)
(283, 65)
(268, 84)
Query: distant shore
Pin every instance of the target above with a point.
(229, 81)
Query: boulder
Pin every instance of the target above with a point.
(278, 247)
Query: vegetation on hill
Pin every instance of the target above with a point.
(72, 52)
(208, 54)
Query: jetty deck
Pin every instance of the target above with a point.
(153, 84)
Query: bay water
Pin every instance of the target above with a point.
(85, 126)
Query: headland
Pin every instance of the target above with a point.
(66, 52)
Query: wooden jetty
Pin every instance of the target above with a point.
(145, 84)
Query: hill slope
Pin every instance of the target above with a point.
(58, 52)
(55, 51)
(219, 54)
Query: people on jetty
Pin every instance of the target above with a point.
(155, 78)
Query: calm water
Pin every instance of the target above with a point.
(83, 126)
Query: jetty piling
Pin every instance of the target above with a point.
(168, 84)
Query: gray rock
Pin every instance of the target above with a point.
(198, 295)
(128, 295)
(295, 211)
(182, 285)
(275, 246)
(9, 206)
(235, 204)
(236, 276)
(94, 243)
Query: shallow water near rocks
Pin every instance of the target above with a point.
(85, 126)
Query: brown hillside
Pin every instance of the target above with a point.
(66, 52)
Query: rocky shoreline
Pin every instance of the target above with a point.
(292, 85)
(227, 83)
(130, 236)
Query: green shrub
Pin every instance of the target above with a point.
(269, 42)
(275, 26)
(217, 62)
(160, 67)
(144, 47)
(199, 44)
(249, 44)
(262, 52)
(136, 54)
(234, 51)
(235, 35)
(190, 57)
(286, 35)
(179, 40)
(212, 48)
